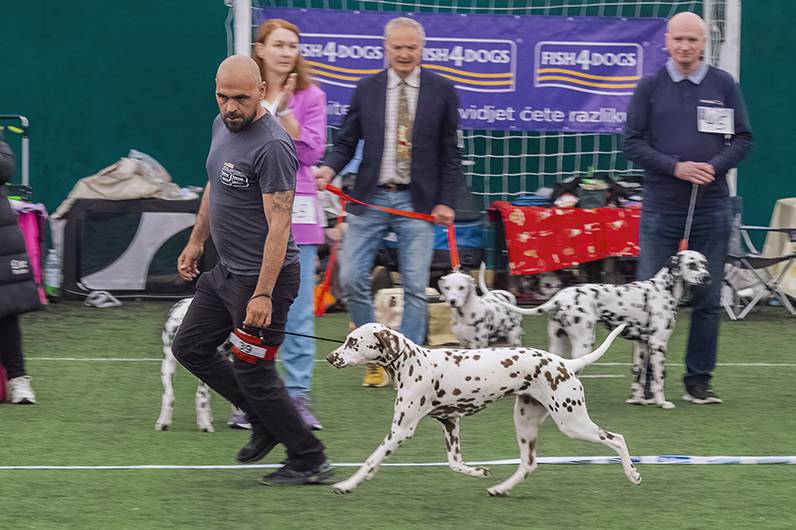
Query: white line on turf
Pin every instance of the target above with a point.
(94, 359)
(157, 360)
(656, 459)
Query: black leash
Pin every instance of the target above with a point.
(260, 330)
(689, 219)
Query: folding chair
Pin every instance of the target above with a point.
(765, 283)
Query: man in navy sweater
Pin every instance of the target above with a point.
(687, 126)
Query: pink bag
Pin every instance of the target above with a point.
(3, 384)
(31, 223)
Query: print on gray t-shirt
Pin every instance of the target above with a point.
(241, 167)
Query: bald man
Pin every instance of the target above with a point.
(247, 207)
(687, 126)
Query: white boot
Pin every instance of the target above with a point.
(20, 392)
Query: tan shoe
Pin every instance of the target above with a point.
(376, 376)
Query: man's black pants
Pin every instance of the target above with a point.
(218, 307)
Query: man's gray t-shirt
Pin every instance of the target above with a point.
(241, 167)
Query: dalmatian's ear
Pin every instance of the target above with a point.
(441, 285)
(389, 343)
(674, 265)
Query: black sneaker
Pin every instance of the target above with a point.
(256, 449)
(701, 394)
(288, 475)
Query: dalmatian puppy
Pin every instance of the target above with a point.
(478, 321)
(168, 367)
(448, 384)
(649, 308)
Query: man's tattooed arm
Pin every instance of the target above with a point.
(282, 200)
(278, 208)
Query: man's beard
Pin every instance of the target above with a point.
(240, 122)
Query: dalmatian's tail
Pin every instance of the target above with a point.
(576, 365)
(481, 280)
(538, 310)
(485, 289)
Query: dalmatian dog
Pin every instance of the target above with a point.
(649, 308)
(448, 384)
(478, 321)
(168, 367)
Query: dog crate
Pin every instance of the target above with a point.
(129, 248)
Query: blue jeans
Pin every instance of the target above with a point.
(298, 353)
(659, 236)
(415, 249)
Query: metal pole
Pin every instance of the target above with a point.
(727, 50)
(731, 62)
(25, 124)
(25, 152)
(243, 27)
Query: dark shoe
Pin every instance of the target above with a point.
(302, 404)
(701, 394)
(256, 449)
(288, 475)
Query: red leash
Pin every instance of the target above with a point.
(454, 252)
(320, 306)
(404, 213)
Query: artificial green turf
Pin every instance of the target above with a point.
(103, 413)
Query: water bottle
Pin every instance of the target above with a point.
(52, 274)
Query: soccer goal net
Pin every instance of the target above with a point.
(503, 164)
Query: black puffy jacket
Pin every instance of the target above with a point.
(17, 289)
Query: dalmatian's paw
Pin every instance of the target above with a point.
(635, 400)
(474, 471)
(496, 491)
(346, 486)
(481, 471)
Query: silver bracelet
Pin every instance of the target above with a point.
(284, 112)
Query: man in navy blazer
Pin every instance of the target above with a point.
(408, 118)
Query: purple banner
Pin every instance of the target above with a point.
(533, 73)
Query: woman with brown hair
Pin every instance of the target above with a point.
(300, 106)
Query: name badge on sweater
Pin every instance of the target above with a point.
(717, 120)
(304, 210)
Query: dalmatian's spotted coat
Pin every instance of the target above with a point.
(648, 308)
(448, 384)
(479, 321)
(168, 367)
